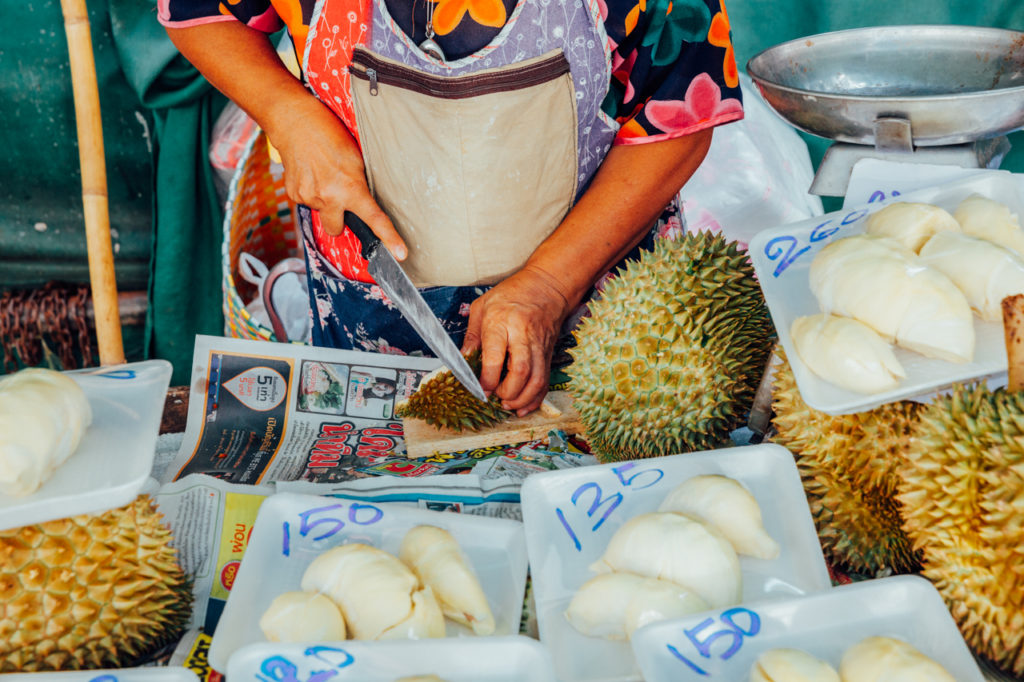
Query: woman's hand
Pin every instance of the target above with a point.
(519, 318)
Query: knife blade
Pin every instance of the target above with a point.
(400, 289)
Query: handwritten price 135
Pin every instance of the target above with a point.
(280, 669)
(607, 505)
(702, 636)
(327, 521)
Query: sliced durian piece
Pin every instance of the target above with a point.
(43, 416)
(436, 558)
(729, 507)
(910, 223)
(791, 665)
(425, 621)
(849, 466)
(887, 287)
(847, 353)
(613, 605)
(442, 401)
(991, 220)
(678, 548)
(885, 659)
(372, 587)
(986, 272)
(302, 617)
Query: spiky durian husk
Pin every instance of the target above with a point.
(670, 357)
(849, 469)
(90, 591)
(442, 401)
(962, 489)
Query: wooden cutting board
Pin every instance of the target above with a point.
(424, 440)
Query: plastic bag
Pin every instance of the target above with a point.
(756, 175)
(290, 296)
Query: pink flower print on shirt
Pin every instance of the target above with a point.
(703, 103)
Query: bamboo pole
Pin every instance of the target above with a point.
(94, 182)
(1013, 331)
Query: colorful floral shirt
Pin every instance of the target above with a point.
(673, 67)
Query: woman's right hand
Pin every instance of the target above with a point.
(324, 168)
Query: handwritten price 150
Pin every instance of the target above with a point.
(702, 636)
(608, 504)
(327, 521)
(280, 669)
(787, 249)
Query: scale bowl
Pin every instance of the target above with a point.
(954, 84)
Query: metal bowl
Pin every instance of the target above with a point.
(954, 84)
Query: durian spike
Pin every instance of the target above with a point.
(1013, 332)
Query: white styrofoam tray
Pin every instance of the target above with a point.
(595, 501)
(291, 530)
(823, 624)
(145, 674)
(782, 258)
(465, 659)
(115, 456)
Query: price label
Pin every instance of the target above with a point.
(320, 523)
(787, 249)
(720, 637)
(281, 669)
(604, 501)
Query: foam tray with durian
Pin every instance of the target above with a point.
(618, 546)
(892, 300)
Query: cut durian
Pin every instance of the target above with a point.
(614, 605)
(962, 489)
(991, 220)
(885, 659)
(425, 620)
(887, 287)
(984, 271)
(910, 223)
(729, 507)
(43, 416)
(673, 350)
(302, 617)
(678, 548)
(436, 558)
(791, 665)
(442, 401)
(849, 468)
(847, 353)
(91, 591)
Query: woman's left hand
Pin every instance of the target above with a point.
(519, 318)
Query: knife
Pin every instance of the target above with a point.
(400, 289)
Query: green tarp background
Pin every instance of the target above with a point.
(157, 117)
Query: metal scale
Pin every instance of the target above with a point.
(914, 94)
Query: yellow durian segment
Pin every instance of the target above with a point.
(791, 665)
(990, 220)
(884, 659)
(910, 223)
(984, 271)
(847, 353)
(302, 617)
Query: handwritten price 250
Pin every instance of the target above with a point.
(329, 524)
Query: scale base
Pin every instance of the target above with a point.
(833, 174)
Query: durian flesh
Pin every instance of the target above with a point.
(910, 223)
(90, 591)
(885, 659)
(847, 353)
(729, 507)
(991, 220)
(985, 272)
(791, 665)
(436, 558)
(302, 617)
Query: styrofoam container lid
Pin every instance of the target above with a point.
(291, 530)
(464, 659)
(725, 646)
(114, 458)
(571, 515)
(147, 674)
(782, 259)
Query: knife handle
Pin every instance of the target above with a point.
(367, 238)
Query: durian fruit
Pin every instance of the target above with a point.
(302, 617)
(886, 286)
(847, 353)
(680, 549)
(791, 665)
(849, 468)
(991, 220)
(442, 401)
(614, 605)
(438, 561)
(673, 350)
(910, 223)
(962, 490)
(984, 271)
(729, 507)
(376, 592)
(90, 591)
(43, 416)
(885, 659)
